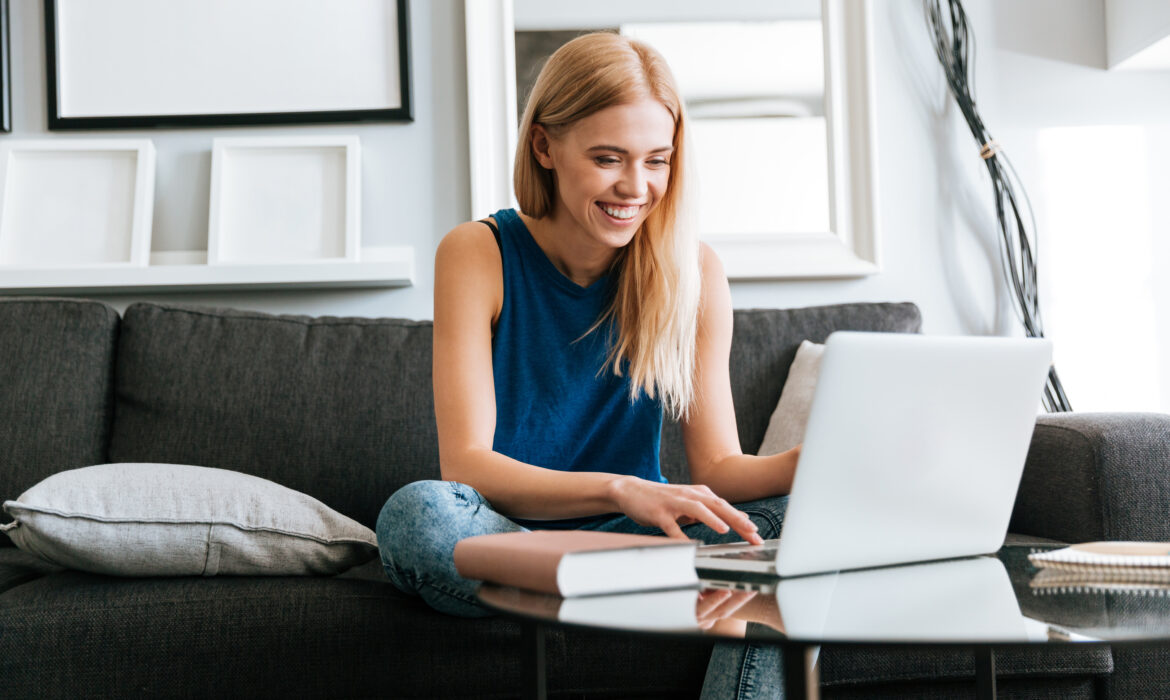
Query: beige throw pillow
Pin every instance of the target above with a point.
(179, 520)
(789, 420)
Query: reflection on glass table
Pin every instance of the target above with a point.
(963, 600)
(979, 602)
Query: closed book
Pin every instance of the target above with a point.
(578, 562)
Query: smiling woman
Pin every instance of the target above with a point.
(560, 345)
(603, 146)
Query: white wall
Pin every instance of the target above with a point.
(1093, 145)
(1039, 63)
(414, 183)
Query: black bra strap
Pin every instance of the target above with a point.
(495, 232)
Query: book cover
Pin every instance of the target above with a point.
(578, 562)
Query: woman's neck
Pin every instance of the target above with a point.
(569, 249)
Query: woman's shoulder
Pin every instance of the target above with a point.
(469, 269)
(470, 239)
(710, 265)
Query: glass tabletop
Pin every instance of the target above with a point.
(998, 599)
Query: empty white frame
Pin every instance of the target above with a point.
(71, 203)
(134, 63)
(285, 200)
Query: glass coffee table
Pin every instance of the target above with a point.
(981, 603)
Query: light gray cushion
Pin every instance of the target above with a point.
(178, 520)
(790, 419)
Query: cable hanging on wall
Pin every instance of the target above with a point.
(1017, 244)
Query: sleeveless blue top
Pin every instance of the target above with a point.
(558, 405)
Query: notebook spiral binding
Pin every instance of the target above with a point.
(1097, 574)
(1104, 588)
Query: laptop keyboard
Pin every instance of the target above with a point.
(765, 554)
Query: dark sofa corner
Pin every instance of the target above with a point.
(341, 409)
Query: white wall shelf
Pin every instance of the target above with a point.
(390, 266)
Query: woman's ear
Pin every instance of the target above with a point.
(541, 143)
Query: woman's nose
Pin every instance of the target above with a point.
(632, 183)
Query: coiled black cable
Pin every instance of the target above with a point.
(1017, 259)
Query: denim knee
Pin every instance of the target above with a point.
(406, 528)
(417, 531)
(767, 514)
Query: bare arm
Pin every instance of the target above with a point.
(710, 434)
(468, 298)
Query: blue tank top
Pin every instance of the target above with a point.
(557, 403)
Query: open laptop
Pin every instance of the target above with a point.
(914, 451)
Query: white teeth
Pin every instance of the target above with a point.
(620, 212)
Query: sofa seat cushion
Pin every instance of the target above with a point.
(856, 665)
(354, 635)
(56, 388)
(18, 568)
(1079, 688)
(71, 633)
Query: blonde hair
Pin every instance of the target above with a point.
(656, 302)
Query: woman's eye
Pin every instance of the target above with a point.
(606, 160)
(659, 162)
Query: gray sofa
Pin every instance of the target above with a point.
(341, 409)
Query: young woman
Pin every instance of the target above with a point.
(565, 331)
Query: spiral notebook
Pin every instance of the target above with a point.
(1099, 567)
(1106, 556)
(1152, 582)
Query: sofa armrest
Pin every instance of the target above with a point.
(1097, 476)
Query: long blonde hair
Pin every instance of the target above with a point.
(656, 302)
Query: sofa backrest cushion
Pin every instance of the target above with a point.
(338, 408)
(56, 380)
(764, 343)
(342, 408)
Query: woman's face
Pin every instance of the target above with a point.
(612, 169)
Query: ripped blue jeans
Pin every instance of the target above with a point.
(420, 524)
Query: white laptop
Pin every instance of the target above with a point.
(914, 451)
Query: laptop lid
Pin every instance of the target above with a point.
(914, 449)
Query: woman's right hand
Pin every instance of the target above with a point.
(669, 506)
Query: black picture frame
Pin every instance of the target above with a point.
(5, 71)
(57, 122)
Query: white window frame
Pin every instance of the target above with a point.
(850, 249)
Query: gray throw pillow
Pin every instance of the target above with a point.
(179, 520)
(790, 419)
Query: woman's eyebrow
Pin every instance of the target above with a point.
(619, 149)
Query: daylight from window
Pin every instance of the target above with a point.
(761, 129)
(1105, 246)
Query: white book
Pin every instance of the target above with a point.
(578, 562)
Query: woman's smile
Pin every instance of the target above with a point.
(620, 214)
